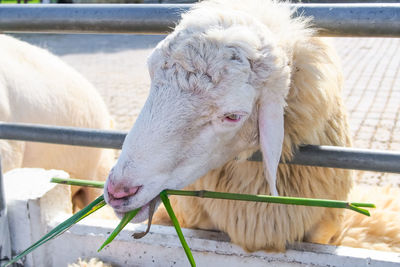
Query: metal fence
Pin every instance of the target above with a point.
(331, 19)
(311, 155)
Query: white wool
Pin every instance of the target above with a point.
(252, 60)
(37, 87)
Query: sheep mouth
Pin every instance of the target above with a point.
(121, 204)
(146, 211)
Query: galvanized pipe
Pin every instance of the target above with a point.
(348, 158)
(62, 135)
(368, 20)
(91, 18)
(373, 20)
(311, 155)
(344, 158)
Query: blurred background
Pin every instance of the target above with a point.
(175, 1)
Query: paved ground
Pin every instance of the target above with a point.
(116, 64)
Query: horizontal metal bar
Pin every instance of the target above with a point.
(62, 135)
(344, 158)
(348, 158)
(91, 18)
(368, 20)
(373, 20)
(311, 155)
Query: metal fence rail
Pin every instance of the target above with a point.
(371, 20)
(62, 135)
(311, 155)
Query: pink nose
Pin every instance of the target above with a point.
(121, 191)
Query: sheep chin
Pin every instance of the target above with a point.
(143, 214)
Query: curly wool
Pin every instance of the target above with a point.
(314, 114)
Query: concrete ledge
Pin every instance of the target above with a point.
(161, 247)
(5, 241)
(32, 203)
(33, 212)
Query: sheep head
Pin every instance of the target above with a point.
(214, 94)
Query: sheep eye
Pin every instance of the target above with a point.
(233, 117)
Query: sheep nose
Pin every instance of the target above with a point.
(118, 191)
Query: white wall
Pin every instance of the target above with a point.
(5, 246)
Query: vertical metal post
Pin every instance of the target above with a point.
(5, 241)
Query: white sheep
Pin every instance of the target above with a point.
(235, 77)
(37, 87)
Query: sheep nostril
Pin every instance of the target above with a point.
(118, 192)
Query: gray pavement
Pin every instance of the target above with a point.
(371, 69)
(116, 65)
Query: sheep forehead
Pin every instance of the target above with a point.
(199, 67)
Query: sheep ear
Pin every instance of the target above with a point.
(271, 131)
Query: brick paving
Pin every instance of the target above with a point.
(116, 65)
(371, 68)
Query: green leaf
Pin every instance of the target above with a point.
(245, 197)
(167, 204)
(78, 182)
(99, 202)
(359, 210)
(273, 199)
(62, 227)
(125, 220)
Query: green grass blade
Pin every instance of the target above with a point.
(62, 227)
(78, 182)
(127, 218)
(355, 206)
(364, 205)
(99, 202)
(273, 199)
(93, 209)
(178, 229)
(359, 210)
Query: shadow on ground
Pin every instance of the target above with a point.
(64, 44)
